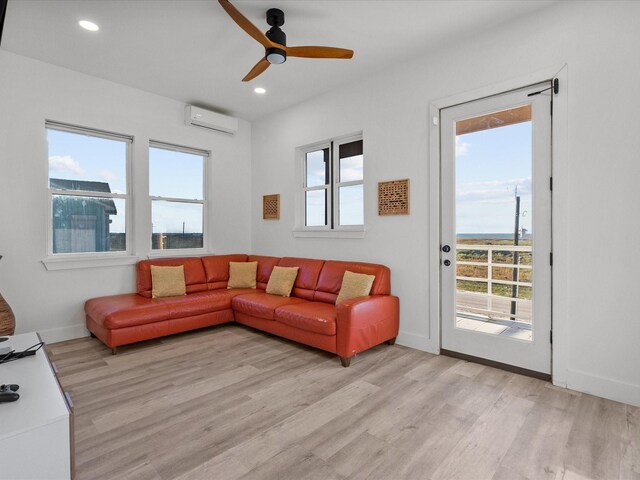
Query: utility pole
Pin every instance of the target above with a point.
(516, 242)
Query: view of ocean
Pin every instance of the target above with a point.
(495, 236)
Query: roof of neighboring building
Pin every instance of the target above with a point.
(83, 185)
(86, 186)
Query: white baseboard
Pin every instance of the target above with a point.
(60, 334)
(417, 341)
(604, 387)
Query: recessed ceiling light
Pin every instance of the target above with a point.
(259, 90)
(87, 25)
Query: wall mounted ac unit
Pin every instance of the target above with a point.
(210, 120)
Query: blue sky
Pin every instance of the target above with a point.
(490, 164)
(172, 174)
(178, 175)
(80, 157)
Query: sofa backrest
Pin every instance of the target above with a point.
(194, 274)
(265, 267)
(330, 279)
(216, 268)
(309, 270)
(317, 280)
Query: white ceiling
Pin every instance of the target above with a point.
(193, 52)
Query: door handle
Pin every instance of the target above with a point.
(447, 263)
(446, 248)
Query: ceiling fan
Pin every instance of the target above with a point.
(275, 41)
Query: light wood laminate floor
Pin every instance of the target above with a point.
(230, 403)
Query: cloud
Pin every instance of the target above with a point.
(508, 183)
(107, 176)
(461, 147)
(350, 174)
(315, 177)
(493, 191)
(61, 163)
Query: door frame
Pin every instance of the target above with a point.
(559, 208)
(515, 353)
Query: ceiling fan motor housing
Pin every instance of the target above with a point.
(275, 18)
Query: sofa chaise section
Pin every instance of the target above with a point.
(129, 318)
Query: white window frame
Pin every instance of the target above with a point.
(60, 261)
(181, 252)
(333, 227)
(326, 187)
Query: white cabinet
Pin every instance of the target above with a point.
(36, 432)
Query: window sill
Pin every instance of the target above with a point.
(328, 233)
(196, 252)
(70, 263)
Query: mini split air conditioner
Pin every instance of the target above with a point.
(210, 120)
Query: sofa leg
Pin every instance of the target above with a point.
(346, 361)
(392, 341)
(114, 350)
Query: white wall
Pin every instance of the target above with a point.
(596, 315)
(51, 302)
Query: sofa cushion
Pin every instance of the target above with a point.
(307, 278)
(131, 309)
(197, 303)
(216, 268)
(232, 292)
(281, 281)
(317, 317)
(167, 281)
(261, 304)
(119, 311)
(242, 274)
(354, 285)
(330, 279)
(265, 267)
(194, 275)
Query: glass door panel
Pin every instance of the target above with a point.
(496, 229)
(494, 237)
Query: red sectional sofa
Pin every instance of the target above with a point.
(308, 316)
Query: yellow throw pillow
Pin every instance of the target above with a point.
(354, 285)
(167, 281)
(242, 274)
(281, 281)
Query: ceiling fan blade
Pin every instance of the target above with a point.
(258, 68)
(244, 23)
(319, 52)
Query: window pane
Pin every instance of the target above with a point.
(175, 174)
(351, 169)
(88, 224)
(83, 162)
(176, 225)
(316, 208)
(317, 164)
(351, 161)
(351, 205)
(493, 212)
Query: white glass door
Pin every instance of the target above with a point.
(496, 228)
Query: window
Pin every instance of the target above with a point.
(333, 185)
(177, 190)
(88, 189)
